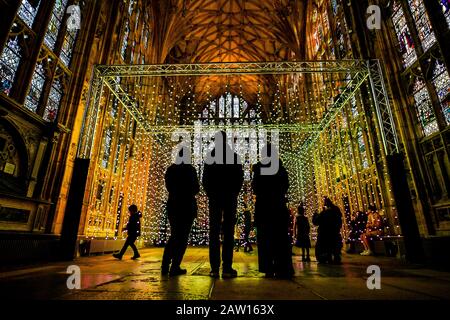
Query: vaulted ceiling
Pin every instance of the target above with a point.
(197, 31)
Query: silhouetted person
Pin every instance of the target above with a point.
(247, 226)
(133, 232)
(302, 230)
(222, 180)
(329, 241)
(357, 228)
(272, 216)
(182, 184)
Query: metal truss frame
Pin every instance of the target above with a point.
(358, 70)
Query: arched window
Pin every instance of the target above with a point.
(405, 40)
(422, 23)
(441, 82)
(424, 108)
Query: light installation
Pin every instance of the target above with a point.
(142, 105)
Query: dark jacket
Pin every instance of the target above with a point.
(270, 187)
(134, 225)
(182, 182)
(223, 181)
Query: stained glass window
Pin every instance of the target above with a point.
(37, 83)
(68, 46)
(423, 24)
(424, 108)
(130, 7)
(404, 36)
(9, 62)
(126, 32)
(228, 106)
(221, 107)
(54, 101)
(335, 6)
(55, 23)
(28, 10)
(445, 4)
(441, 82)
(236, 111)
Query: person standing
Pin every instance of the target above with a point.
(357, 228)
(272, 217)
(133, 229)
(302, 230)
(374, 229)
(329, 240)
(247, 225)
(182, 184)
(223, 177)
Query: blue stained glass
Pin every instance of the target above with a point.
(423, 24)
(27, 12)
(424, 108)
(445, 4)
(54, 101)
(37, 83)
(9, 62)
(441, 82)
(55, 23)
(362, 149)
(404, 36)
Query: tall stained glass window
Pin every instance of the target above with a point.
(68, 46)
(445, 4)
(405, 40)
(423, 24)
(107, 147)
(424, 108)
(441, 82)
(55, 23)
(28, 10)
(54, 101)
(37, 84)
(9, 62)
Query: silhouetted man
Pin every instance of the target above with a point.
(272, 217)
(182, 185)
(133, 232)
(222, 179)
(329, 240)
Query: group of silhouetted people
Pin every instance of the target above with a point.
(223, 177)
(222, 181)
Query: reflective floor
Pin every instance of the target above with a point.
(103, 277)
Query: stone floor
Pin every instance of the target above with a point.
(103, 277)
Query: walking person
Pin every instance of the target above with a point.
(302, 230)
(272, 217)
(223, 177)
(182, 184)
(133, 229)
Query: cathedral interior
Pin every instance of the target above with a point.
(92, 91)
